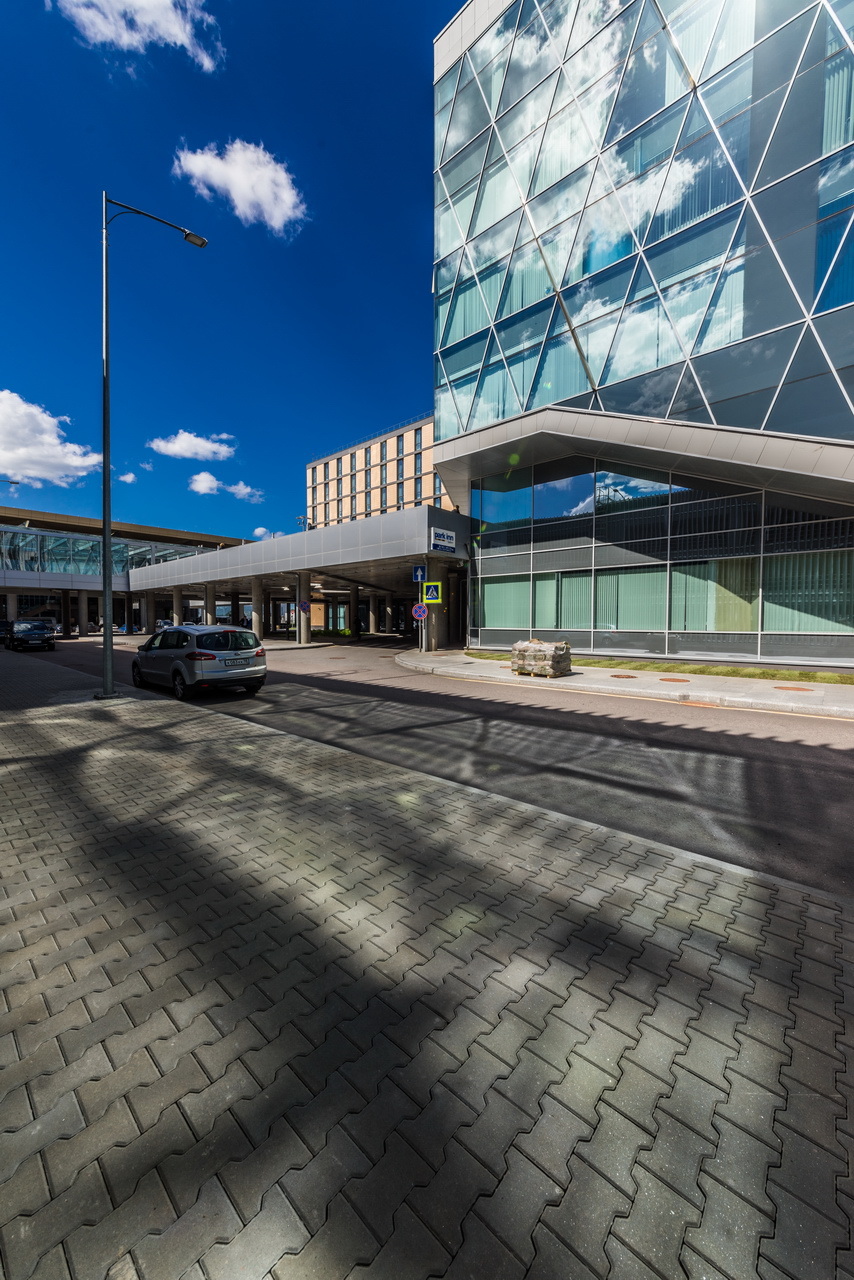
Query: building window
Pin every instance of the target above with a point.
(352, 462)
(418, 464)
(367, 504)
(383, 450)
(400, 468)
(340, 507)
(417, 438)
(383, 499)
(314, 494)
(314, 475)
(368, 479)
(383, 474)
(400, 495)
(326, 491)
(352, 508)
(326, 513)
(339, 466)
(326, 470)
(368, 456)
(400, 446)
(352, 482)
(418, 488)
(314, 515)
(437, 483)
(339, 488)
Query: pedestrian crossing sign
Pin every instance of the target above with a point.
(432, 593)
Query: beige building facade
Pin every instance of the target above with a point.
(390, 472)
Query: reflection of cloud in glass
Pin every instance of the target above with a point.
(591, 17)
(617, 488)
(582, 508)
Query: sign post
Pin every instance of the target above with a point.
(432, 593)
(419, 612)
(419, 573)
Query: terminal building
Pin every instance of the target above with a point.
(644, 299)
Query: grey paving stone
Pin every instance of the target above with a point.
(431, 1129)
(312, 1187)
(584, 1218)
(93, 1250)
(412, 1253)
(62, 1121)
(626, 1265)
(211, 1220)
(444, 1203)
(371, 1126)
(27, 1239)
(656, 1223)
(483, 1254)
(108, 1136)
(248, 1180)
(805, 1242)
(26, 1193)
(730, 1233)
(694, 1102)
(490, 1136)
(185, 1174)
(553, 1258)
(516, 1206)
(380, 1192)
(273, 1232)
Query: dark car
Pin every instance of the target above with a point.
(38, 634)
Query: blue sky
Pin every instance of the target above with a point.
(267, 347)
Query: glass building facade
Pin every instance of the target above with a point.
(28, 551)
(646, 208)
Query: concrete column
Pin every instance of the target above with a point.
(454, 635)
(437, 619)
(353, 614)
(235, 608)
(388, 614)
(373, 614)
(101, 614)
(149, 612)
(12, 606)
(82, 613)
(303, 594)
(210, 605)
(177, 605)
(258, 606)
(128, 613)
(267, 614)
(66, 613)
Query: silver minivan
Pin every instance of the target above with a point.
(190, 658)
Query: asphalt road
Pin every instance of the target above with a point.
(765, 790)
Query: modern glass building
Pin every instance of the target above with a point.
(644, 291)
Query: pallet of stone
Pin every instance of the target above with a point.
(541, 658)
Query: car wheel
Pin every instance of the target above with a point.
(180, 688)
(254, 688)
(136, 676)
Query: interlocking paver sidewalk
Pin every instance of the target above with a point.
(273, 1011)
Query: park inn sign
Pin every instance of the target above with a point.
(443, 540)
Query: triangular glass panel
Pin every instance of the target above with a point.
(648, 26)
(561, 201)
(529, 12)
(697, 124)
(799, 138)
(644, 340)
(495, 398)
(687, 304)
(648, 396)
(693, 31)
(527, 281)
(469, 117)
(606, 50)
(556, 246)
(523, 158)
(498, 197)
(585, 401)
(466, 357)
(604, 236)
(597, 105)
(647, 147)
(558, 17)
(734, 36)
(446, 422)
(465, 166)
(654, 78)
(494, 243)
(740, 381)
(463, 203)
(440, 129)
(701, 181)
(836, 332)
(527, 329)
(491, 283)
(491, 79)
(466, 73)
(467, 314)
(640, 198)
(560, 374)
(592, 16)
(446, 271)
(566, 147)
(595, 340)
(495, 38)
(839, 289)
(806, 240)
(688, 403)
(599, 294)
(810, 402)
(463, 390)
(443, 90)
(533, 58)
(752, 295)
(642, 285)
(527, 115)
(447, 230)
(773, 13)
(845, 14)
(522, 368)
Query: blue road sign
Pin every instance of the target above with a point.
(420, 611)
(305, 606)
(432, 593)
(419, 573)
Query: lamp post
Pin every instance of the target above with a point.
(108, 690)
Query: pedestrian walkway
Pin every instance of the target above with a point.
(801, 698)
(275, 1011)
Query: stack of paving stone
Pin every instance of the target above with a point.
(539, 658)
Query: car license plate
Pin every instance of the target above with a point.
(237, 662)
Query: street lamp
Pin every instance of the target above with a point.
(108, 690)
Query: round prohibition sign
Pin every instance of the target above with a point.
(420, 611)
(305, 606)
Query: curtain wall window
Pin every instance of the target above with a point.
(505, 603)
(838, 102)
(562, 601)
(631, 599)
(809, 592)
(719, 595)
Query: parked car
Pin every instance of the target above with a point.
(37, 634)
(190, 658)
(161, 624)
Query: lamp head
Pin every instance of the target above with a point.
(192, 238)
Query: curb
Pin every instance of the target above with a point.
(733, 701)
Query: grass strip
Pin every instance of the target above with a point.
(694, 668)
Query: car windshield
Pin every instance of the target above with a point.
(31, 626)
(221, 641)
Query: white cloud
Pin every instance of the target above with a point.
(33, 447)
(147, 466)
(205, 483)
(128, 478)
(266, 534)
(133, 25)
(186, 445)
(259, 187)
